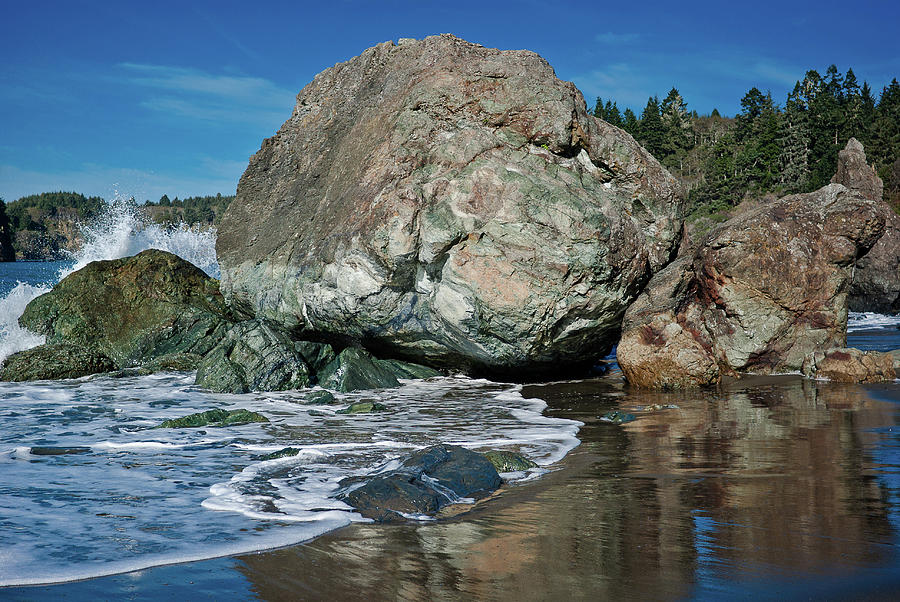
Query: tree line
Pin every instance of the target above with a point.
(769, 148)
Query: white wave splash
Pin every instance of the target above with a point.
(119, 231)
(865, 320)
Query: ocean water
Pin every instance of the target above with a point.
(89, 487)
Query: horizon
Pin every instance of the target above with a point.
(129, 100)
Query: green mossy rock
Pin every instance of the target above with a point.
(287, 452)
(363, 407)
(505, 461)
(253, 356)
(355, 369)
(54, 361)
(134, 309)
(320, 397)
(316, 355)
(214, 418)
(408, 370)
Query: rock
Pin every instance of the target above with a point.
(132, 310)
(319, 398)
(505, 461)
(59, 451)
(316, 355)
(763, 291)
(176, 362)
(54, 361)
(253, 356)
(355, 369)
(451, 204)
(363, 407)
(618, 417)
(854, 173)
(408, 370)
(428, 480)
(876, 279)
(214, 418)
(849, 365)
(287, 452)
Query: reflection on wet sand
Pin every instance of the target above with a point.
(762, 479)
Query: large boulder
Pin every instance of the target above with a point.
(876, 279)
(451, 204)
(759, 294)
(127, 312)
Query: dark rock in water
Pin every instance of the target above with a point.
(876, 278)
(253, 356)
(618, 417)
(428, 480)
(849, 365)
(408, 370)
(176, 362)
(214, 418)
(363, 407)
(54, 361)
(505, 461)
(453, 204)
(59, 451)
(132, 310)
(287, 452)
(355, 369)
(319, 398)
(762, 291)
(316, 355)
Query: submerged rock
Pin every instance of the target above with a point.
(54, 361)
(363, 407)
(59, 451)
(762, 292)
(130, 310)
(617, 417)
(849, 365)
(427, 480)
(453, 204)
(214, 418)
(287, 452)
(253, 356)
(505, 461)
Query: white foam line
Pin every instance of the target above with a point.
(272, 539)
(136, 445)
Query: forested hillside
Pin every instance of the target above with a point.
(768, 148)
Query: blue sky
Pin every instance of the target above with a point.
(145, 98)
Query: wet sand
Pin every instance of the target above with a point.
(770, 488)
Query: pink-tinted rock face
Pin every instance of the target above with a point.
(451, 204)
(759, 294)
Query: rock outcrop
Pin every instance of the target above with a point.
(876, 279)
(759, 294)
(849, 365)
(451, 204)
